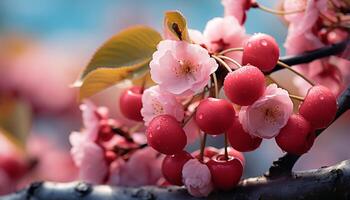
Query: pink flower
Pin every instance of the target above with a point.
(197, 178)
(191, 128)
(156, 102)
(224, 33)
(181, 68)
(332, 72)
(88, 157)
(143, 168)
(266, 116)
(300, 36)
(236, 8)
(50, 156)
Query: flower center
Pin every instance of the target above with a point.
(157, 107)
(186, 69)
(272, 114)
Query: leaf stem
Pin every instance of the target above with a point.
(203, 143)
(277, 12)
(280, 63)
(223, 63)
(230, 50)
(296, 97)
(226, 146)
(216, 94)
(231, 60)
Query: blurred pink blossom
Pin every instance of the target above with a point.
(332, 72)
(220, 34)
(181, 68)
(236, 8)
(266, 116)
(197, 178)
(156, 102)
(143, 168)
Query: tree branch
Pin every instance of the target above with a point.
(313, 55)
(324, 183)
(283, 166)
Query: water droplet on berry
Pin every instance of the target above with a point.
(321, 98)
(158, 128)
(249, 44)
(263, 43)
(200, 116)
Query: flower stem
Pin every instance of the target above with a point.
(231, 60)
(226, 146)
(295, 72)
(277, 12)
(230, 50)
(223, 63)
(296, 97)
(203, 143)
(188, 119)
(216, 94)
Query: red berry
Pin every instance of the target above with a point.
(225, 173)
(261, 50)
(105, 133)
(336, 36)
(208, 153)
(296, 137)
(319, 107)
(234, 153)
(165, 135)
(214, 116)
(131, 103)
(14, 167)
(241, 140)
(110, 156)
(172, 167)
(245, 85)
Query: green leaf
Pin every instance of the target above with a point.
(129, 47)
(175, 24)
(103, 78)
(15, 121)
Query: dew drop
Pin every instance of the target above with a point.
(321, 98)
(249, 44)
(158, 127)
(200, 116)
(263, 43)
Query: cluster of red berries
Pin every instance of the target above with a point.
(317, 111)
(217, 116)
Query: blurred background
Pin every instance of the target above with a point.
(44, 45)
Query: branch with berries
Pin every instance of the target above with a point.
(174, 99)
(325, 183)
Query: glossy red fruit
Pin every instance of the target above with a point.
(166, 135)
(225, 173)
(209, 152)
(14, 167)
(296, 137)
(319, 107)
(172, 167)
(131, 103)
(262, 51)
(337, 35)
(105, 133)
(110, 156)
(214, 116)
(240, 139)
(245, 85)
(234, 153)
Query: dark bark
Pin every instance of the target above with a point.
(324, 183)
(313, 55)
